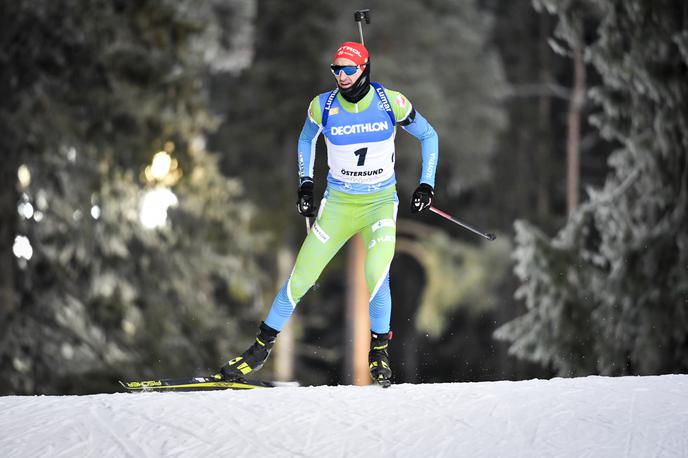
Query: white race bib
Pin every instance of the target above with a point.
(367, 163)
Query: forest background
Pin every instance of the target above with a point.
(149, 177)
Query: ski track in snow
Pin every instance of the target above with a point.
(583, 417)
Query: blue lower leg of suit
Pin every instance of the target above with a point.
(380, 309)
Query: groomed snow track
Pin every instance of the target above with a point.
(583, 417)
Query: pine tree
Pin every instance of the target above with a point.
(94, 89)
(608, 294)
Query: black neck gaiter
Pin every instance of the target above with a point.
(360, 88)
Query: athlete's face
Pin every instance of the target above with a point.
(343, 80)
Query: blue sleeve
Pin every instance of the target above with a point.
(306, 148)
(423, 131)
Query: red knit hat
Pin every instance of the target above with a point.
(353, 51)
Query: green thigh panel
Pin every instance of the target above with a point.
(329, 232)
(341, 216)
(379, 237)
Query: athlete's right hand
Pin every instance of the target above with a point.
(306, 203)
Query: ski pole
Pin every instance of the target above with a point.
(359, 16)
(487, 235)
(316, 286)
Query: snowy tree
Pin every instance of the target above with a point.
(93, 89)
(608, 294)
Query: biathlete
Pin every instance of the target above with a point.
(358, 120)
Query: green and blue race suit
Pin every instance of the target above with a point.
(361, 193)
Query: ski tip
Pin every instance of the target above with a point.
(125, 385)
(140, 385)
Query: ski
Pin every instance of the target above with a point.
(200, 383)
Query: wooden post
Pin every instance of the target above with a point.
(284, 347)
(358, 321)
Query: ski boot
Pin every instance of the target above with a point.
(253, 358)
(378, 359)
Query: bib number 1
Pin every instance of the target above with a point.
(361, 153)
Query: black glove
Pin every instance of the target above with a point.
(422, 198)
(305, 203)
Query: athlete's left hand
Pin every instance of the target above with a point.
(422, 198)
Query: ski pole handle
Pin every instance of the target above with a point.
(487, 235)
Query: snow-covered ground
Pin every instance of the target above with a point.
(592, 416)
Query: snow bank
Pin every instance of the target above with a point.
(592, 416)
